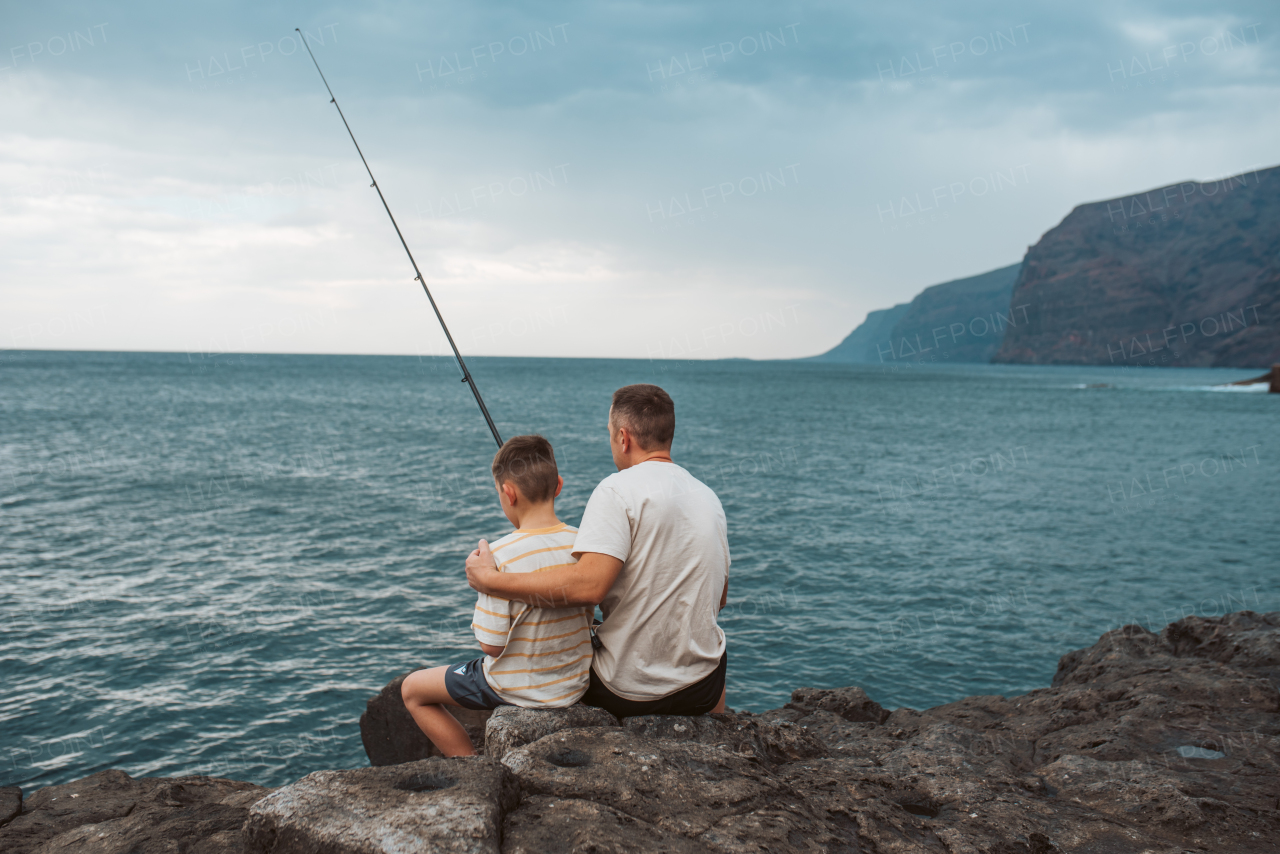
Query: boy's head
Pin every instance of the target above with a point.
(524, 470)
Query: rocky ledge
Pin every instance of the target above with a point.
(1161, 743)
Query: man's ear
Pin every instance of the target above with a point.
(509, 490)
(559, 486)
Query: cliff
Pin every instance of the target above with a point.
(958, 321)
(859, 346)
(1165, 743)
(1180, 275)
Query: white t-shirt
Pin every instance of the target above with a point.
(668, 529)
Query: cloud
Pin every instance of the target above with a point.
(584, 178)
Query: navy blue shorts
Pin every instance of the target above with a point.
(467, 686)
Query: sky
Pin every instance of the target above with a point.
(603, 179)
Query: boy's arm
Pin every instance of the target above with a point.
(491, 623)
(584, 583)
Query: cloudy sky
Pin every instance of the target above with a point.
(579, 179)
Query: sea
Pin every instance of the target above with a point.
(209, 563)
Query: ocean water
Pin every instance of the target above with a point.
(210, 563)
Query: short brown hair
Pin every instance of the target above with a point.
(648, 412)
(529, 463)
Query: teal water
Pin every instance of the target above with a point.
(210, 563)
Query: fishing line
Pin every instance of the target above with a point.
(466, 374)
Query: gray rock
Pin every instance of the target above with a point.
(111, 811)
(391, 736)
(511, 726)
(432, 805)
(852, 704)
(210, 828)
(768, 741)
(1245, 640)
(1163, 743)
(571, 826)
(10, 803)
(790, 825)
(1098, 762)
(656, 789)
(842, 737)
(683, 787)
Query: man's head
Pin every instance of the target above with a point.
(642, 420)
(524, 470)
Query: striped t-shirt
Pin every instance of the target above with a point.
(547, 655)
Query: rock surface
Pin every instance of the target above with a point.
(511, 726)
(10, 803)
(432, 805)
(113, 813)
(852, 704)
(770, 742)
(390, 735)
(544, 824)
(727, 801)
(1146, 743)
(1104, 285)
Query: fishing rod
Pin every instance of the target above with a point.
(466, 374)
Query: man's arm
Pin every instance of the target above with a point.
(584, 583)
(724, 597)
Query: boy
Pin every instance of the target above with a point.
(535, 657)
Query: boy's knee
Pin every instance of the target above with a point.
(406, 687)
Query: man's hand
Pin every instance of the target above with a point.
(480, 568)
(585, 583)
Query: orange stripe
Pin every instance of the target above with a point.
(497, 549)
(536, 552)
(556, 528)
(483, 629)
(540, 669)
(562, 528)
(543, 684)
(492, 613)
(557, 620)
(552, 652)
(549, 637)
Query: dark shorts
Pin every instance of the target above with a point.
(467, 686)
(696, 699)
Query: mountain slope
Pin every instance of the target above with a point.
(958, 321)
(1187, 274)
(860, 344)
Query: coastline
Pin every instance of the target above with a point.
(1164, 742)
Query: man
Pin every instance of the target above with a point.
(653, 553)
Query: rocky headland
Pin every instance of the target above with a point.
(1164, 743)
(1179, 275)
(959, 321)
(1182, 275)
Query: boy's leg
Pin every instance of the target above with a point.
(424, 692)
